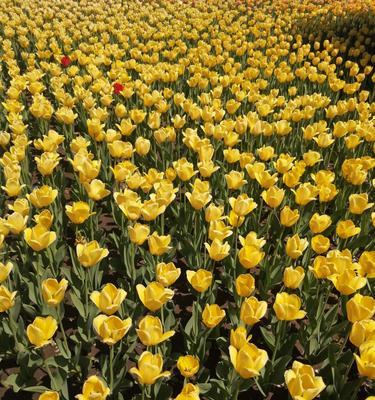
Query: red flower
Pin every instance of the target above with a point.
(65, 61)
(118, 88)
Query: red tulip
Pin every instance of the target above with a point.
(65, 61)
(117, 87)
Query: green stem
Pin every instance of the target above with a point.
(62, 329)
(258, 386)
(279, 335)
(50, 375)
(111, 356)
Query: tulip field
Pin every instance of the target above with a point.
(187, 199)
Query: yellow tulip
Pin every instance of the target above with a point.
(150, 331)
(273, 196)
(239, 337)
(212, 315)
(90, 253)
(295, 246)
(96, 189)
(109, 299)
(289, 217)
(319, 223)
(366, 263)
(235, 180)
(53, 291)
(218, 250)
(252, 310)
(245, 285)
(302, 382)
(78, 212)
(347, 282)
(189, 392)
(39, 237)
(293, 277)
(320, 244)
(6, 299)
(360, 307)
(49, 395)
(362, 331)
(249, 360)
(41, 331)
(159, 244)
(149, 369)
(138, 233)
(94, 388)
(167, 274)
(358, 203)
(44, 218)
(16, 223)
(5, 270)
(287, 307)
(42, 197)
(21, 206)
(12, 187)
(250, 256)
(347, 229)
(154, 295)
(366, 360)
(188, 365)
(242, 205)
(111, 329)
(200, 280)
